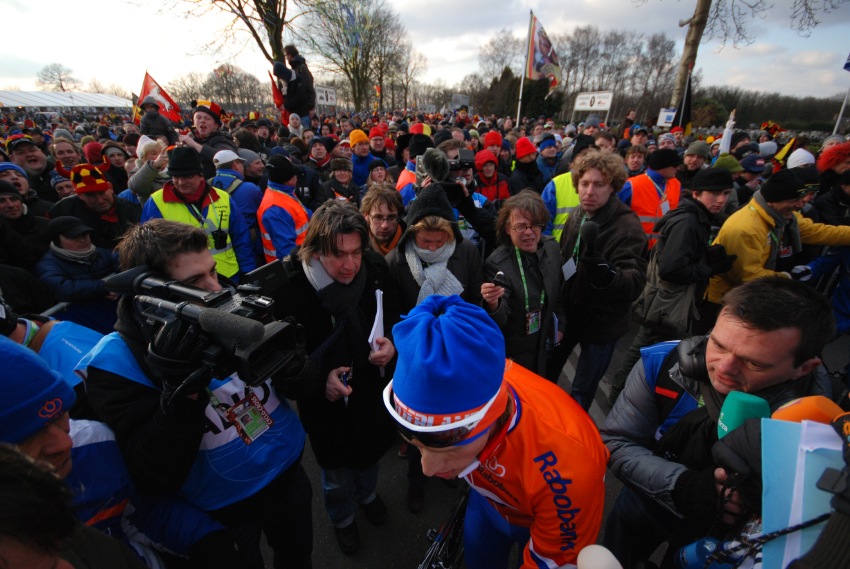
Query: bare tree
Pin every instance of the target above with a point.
(187, 87)
(56, 77)
(94, 86)
(500, 51)
(264, 20)
(117, 90)
(346, 36)
(728, 20)
(658, 62)
(411, 66)
(437, 93)
(233, 88)
(388, 50)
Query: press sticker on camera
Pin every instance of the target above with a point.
(250, 418)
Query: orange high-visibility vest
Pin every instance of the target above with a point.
(274, 198)
(647, 204)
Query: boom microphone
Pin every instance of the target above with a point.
(737, 408)
(589, 234)
(597, 557)
(244, 330)
(812, 408)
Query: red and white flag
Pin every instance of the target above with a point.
(167, 107)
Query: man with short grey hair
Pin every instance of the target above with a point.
(230, 176)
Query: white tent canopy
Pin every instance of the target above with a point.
(51, 100)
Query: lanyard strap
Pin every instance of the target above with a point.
(770, 231)
(524, 285)
(578, 239)
(199, 215)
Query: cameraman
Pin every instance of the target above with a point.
(183, 431)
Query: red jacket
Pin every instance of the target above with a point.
(495, 188)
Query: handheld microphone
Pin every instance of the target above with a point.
(737, 408)
(244, 330)
(589, 234)
(812, 408)
(597, 557)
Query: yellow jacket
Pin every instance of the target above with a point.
(748, 234)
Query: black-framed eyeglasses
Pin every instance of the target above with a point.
(523, 227)
(392, 218)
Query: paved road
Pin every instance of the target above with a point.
(402, 542)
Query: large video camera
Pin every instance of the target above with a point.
(243, 335)
(465, 160)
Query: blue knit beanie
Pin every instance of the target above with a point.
(451, 357)
(10, 166)
(546, 143)
(34, 394)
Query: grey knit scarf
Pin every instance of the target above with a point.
(436, 277)
(86, 257)
(782, 225)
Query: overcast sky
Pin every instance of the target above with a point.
(117, 41)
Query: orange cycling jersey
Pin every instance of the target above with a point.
(548, 473)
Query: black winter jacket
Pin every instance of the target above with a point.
(300, 93)
(596, 314)
(356, 434)
(833, 207)
(526, 175)
(156, 124)
(106, 234)
(210, 146)
(542, 273)
(686, 232)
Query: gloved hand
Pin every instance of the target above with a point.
(802, 273)
(599, 271)
(739, 453)
(175, 357)
(722, 264)
(694, 494)
(717, 259)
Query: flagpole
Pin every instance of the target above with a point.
(841, 113)
(525, 67)
(684, 97)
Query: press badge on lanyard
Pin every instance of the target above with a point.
(570, 268)
(248, 416)
(532, 317)
(532, 321)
